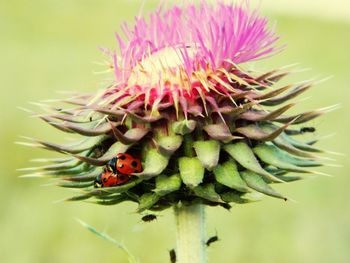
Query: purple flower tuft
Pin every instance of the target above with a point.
(204, 36)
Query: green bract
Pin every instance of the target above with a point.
(217, 154)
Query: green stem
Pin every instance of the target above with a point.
(191, 234)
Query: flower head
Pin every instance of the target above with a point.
(185, 53)
(183, 121)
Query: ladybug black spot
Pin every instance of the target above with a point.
(134, 164)
(122, 177)
(122, 157)
(121, 165)
(105, 179)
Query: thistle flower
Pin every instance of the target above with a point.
(207, 130)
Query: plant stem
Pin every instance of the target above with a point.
(191, 234)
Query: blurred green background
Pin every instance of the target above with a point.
(51, 45)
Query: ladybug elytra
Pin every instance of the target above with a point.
(108, 179)
(125, 164)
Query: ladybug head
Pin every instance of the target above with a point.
(111, 166)
(98, 182)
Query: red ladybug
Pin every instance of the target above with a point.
(109, 179)
(125, 164)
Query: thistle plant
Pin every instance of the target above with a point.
(208, 130)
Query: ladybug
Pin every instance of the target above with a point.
(109, 179)
(124, 163)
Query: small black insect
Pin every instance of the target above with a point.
(226, 206)
(172, 255)
(212, 240)
(307, 129)
(149, 218)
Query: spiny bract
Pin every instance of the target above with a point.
(207, 130)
